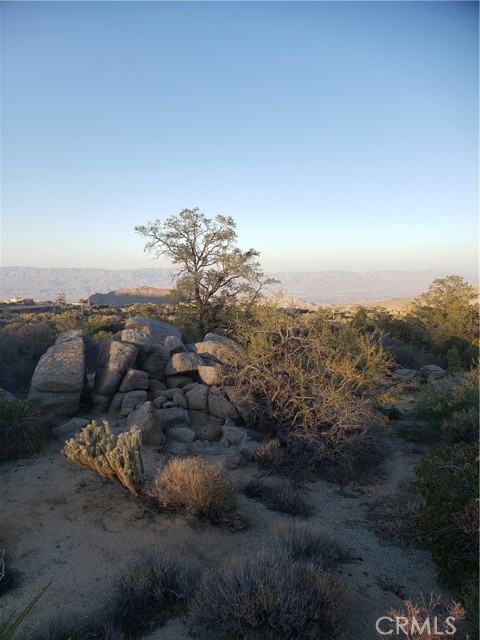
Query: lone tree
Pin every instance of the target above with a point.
(213, 272)
(448, 313)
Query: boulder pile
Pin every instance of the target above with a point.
(149, 378)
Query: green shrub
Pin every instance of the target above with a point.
(268, 595)
(449, 395)
(194, 486)
(407, 357)
(21, 431)
(448, 517)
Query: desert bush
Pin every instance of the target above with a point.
(305, 542)
(461, 426)
(276, 456)
(425, 621)
(118, 459)
(269, 595)
(407, 356)
(194, 486)
(448, 396)
(310, 379)
(279, 494)
(448, 517)
(22, 343)
(21, 430)
(152, 590)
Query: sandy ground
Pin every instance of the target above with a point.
(63, 524)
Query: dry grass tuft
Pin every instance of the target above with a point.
(269, 596)
(305, 542)
(281, 495)
(199, 488)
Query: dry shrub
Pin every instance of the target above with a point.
(154, 589)
(305, 542)
(199, 488)
(270, 596)
(316, 381)
(426, 621)
(21, 430)
(279, 495)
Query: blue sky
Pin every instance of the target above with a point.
(338, 135)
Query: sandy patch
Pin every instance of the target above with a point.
(63, 524)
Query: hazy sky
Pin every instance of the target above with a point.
(338, 135)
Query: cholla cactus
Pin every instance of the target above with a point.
(119, 459)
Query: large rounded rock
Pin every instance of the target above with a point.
(431, 372)
(181, 363)
(220, 348)
(141, 339)
(62, 368)
(59, 378)
(156, 330)
(114, 359)
(211, 375)
(154, 363)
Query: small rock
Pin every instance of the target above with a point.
(232, 433)
(219, 406)
(68, 429)
(197, 397)
(182, 434)
(150, 425)
(183, 363)
(156, 385)
(179, 400)
(116, 404)
(173, 417)
(134, 380)
(178, 381)
(131, 400)
(248, 449)
(178, 449)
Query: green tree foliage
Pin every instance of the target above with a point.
(449, 320)
(212, 271)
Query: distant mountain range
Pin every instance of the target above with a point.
(332, 287)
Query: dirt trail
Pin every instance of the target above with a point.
(64, 524)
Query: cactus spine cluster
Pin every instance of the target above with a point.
(119, 459)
